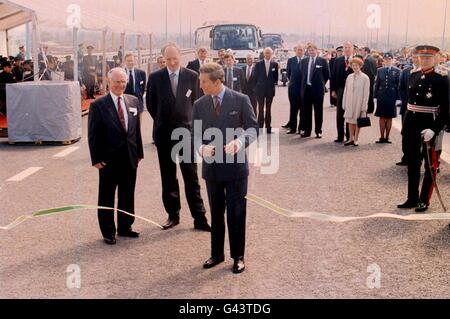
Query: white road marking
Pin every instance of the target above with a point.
(26, 173)
(66, 152)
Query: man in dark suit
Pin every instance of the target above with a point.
(234, 77)
(250, 84)
(171, 93)
(225, 167)
(137, 80)
(341, 71)
(115, 145)
(315, 75)
(195, 65)
(369, 69)
(294, 71)
(403, 92)
(266, 76)
(90, 72)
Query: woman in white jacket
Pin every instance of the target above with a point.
(356, 99)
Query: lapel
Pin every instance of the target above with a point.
(130, 116)
(180, 90)
(166, 79)
(227, 100)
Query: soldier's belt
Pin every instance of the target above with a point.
(423, 109)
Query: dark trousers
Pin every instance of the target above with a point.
(254, 102)
(229, 196)
(295, 102)
(313, 102)
(415, 152)
(371, 104)
(342, 128)
(89, 82)
(404, 160)
(120, 177)
(265, 111)
(171, 188)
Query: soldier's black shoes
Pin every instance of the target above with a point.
(239, 265)
(110, 240)
(213, 262)
(409, 204)
(287, 126)
(422, 208)
(203, 227)
(338, 141)
(128, 234)
(171, 222)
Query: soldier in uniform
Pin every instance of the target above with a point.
(90, 72)
(427, 114)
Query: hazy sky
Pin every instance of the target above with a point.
(341, 17)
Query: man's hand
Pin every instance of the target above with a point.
(100, 166)
(333, 94)
(233, 148)
(428, 135)
(207, 151)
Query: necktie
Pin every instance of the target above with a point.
(121, 113)
(173, 83)
(249, 72)
(267, 68)
(131, 81)
(217, 106)
(230, 78)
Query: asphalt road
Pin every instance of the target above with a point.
(286, 258)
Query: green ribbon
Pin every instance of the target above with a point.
(68, 209)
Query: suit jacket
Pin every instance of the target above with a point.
(340, 74)
(238, 79)
(108, 141)
(170, 112)
(194, 66)
(370, 68)
(294, 74)
(319, 76)
(250, 84)
(236, 113)
(140, 84)
(265, 85)
(403, 88)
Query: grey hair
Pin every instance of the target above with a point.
(214, 70)
(117, 70)
(170, 45)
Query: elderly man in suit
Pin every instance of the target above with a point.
(369, 69)
(340, 73)
(137, 80)
(234, 76)
(171, 93)
(266, 76)
(115, 144)
(294, 71)
(225, 167)
(315, 76)
(249, 86)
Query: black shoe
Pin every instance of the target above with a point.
(381, 141)
(422, 208)
(171, 222)
(203, 227)
(213, 262)
(401, 163)
(387, 141)
(287, 126)
(349, 143)
(239, 265)
(129, 234)
(269, 131)
(319, 135)
(291, 132)
(338, 141)
(110, 240)
(408, 204)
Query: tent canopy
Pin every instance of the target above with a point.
(54, 13)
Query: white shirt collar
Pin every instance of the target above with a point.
(115, 97)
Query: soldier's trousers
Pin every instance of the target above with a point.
(416, 151)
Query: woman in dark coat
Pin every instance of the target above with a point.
(387, 95)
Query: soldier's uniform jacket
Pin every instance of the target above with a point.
(428, 103)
